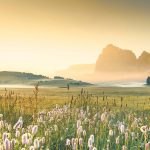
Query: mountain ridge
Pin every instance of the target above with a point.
(112, 64)
(115, 59)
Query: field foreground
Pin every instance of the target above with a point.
(85, 119)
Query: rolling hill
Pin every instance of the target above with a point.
(22, 78)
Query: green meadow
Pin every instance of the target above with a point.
(84, 118)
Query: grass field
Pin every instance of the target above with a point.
(82, 118)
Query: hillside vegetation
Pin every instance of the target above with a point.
(7, 77)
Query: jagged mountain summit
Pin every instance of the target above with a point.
(114, 59)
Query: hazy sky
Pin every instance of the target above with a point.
(42, 36)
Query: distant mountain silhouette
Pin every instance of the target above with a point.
(78, 71)
(114, 59)
(113, 64)
(144, 62)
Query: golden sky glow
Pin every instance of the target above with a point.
(42, 36)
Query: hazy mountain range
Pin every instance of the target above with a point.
(115, 59)
(78, 71)
(113, 63)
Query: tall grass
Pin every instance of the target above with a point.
(85, 122)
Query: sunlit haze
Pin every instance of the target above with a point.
(43, 36)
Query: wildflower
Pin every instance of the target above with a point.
(78, 123)
(84, 133)
(90, 143)
(75, 146)
(67, 142)
(80, 141)
(111, 133)
(43, 140)
(104, 116)
(17, 134)
(132, 135)
(1, 147)
(5, 135)
(108, 141)
(107, 146)
(41, 116)
(79, 131)
(24, 139)
(66, 129)
(34, 129)
(61, 138)
(18, 124)
(7, 144)
(144, 129)
(122, 128)
(147, 146)
(117, 140)
(31, 148)
(72, 141)
(36, 144)
(13, 142)
(92, 137)
(124, 147)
